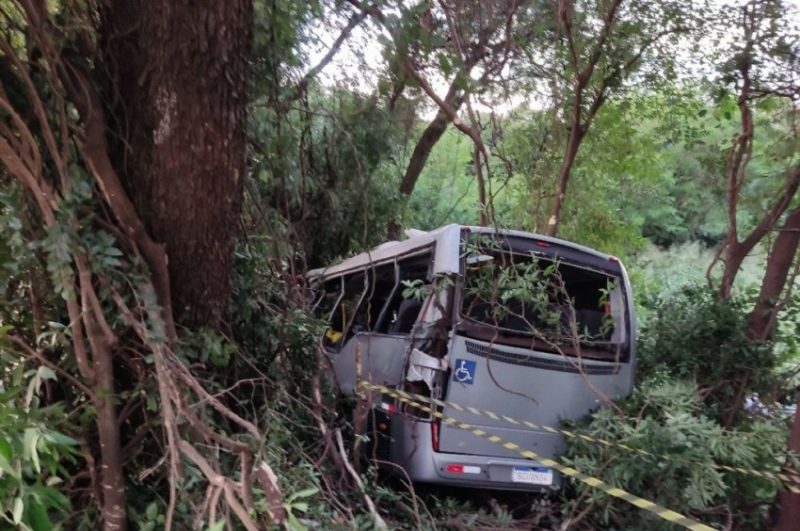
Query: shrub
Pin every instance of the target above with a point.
(692, 335)
(666, 418)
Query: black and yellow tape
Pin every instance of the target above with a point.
(641, 503)
(790, 479)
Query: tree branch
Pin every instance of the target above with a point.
(301, 86)
(38, 356)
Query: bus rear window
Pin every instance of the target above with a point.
(555, 303)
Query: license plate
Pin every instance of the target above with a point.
(534, 476)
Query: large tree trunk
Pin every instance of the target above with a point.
(177, 92)
(761, 322)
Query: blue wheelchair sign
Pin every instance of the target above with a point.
(464, 371)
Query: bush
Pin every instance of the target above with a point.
(666, 418)
(33, 454)
(691, 335)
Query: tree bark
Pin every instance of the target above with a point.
(483, 207)
(761, 322)
(734, 252)
(576, 134)
(176, 86)
(734, 255)
(433, 132)
(430, 136)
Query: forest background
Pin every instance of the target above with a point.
(171, 169)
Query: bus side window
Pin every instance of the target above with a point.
(401, 313)
(342, 318)
(329, 298)
(381, 284)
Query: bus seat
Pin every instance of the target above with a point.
(406, 315)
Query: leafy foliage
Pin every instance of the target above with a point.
(666, 417)
(325, 161)
(35, 457)
(694, 336)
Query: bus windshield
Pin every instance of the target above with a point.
(524, 299)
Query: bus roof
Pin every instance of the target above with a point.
(446, 239)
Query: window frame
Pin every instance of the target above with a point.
(368, 271)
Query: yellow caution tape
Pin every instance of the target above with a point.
(790, 479)
(641, 503)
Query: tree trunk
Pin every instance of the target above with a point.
(789, 502)
(176, 86)
(570, 152)
(735, 253)
(112, 480)
(761, 322)
(483, 206)
(427, 140)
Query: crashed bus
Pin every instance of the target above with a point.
(526, 326)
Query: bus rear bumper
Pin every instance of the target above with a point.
(412, 450)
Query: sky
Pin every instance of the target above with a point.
(359, 60)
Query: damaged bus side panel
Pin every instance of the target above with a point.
(529, 327)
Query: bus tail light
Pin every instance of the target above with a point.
(454, 468)
(435, 435)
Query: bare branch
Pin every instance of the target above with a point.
(354, 21)
(38, 356)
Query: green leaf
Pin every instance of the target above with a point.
(219, 525)
(300, 506)
(6, 451)
(30, 440)
(294, 523)
(16, 514)
(37, 516)
(59, 438)
(305, 493)
(45, 373)
(152, 511)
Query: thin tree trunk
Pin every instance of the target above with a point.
(112, 480)
(735, 253)
(761, 322)
(571, 151)
(430, 136)
(433, 132)
(178, 82)
(482, 205)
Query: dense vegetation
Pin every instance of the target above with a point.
(171, 169)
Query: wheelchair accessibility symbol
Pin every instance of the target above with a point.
(464, 371)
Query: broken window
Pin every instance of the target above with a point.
(382, 281)
(558, 305)
(328, 298)
(372, 300)
(401, 312)
(342, 317)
